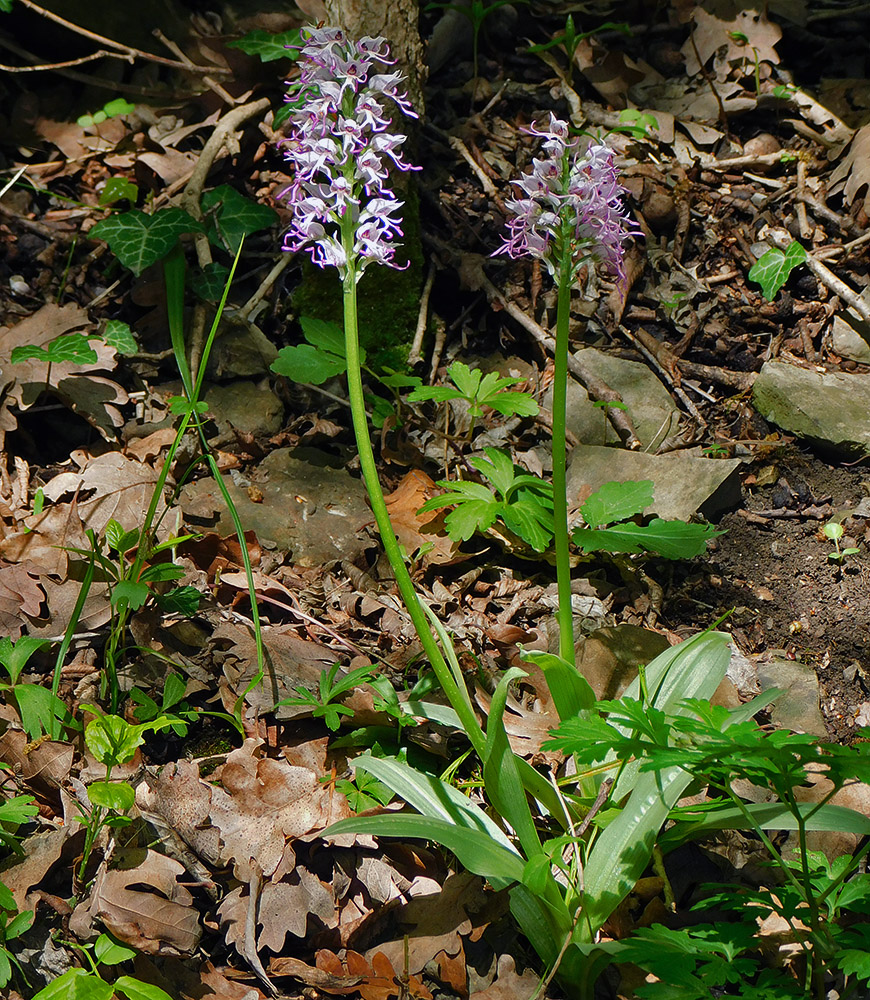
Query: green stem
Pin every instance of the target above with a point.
(564, 613)
(379, 506)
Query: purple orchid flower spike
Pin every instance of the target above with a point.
(571, 204)
(340, 147)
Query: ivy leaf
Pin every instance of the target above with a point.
(120, 336)
(72, 348)
(772, 270)
(268, 46)
(617, 501)
(670, 539)
(235, 216)
(209, 283)
(139, 240)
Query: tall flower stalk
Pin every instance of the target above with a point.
(341, 146)
(569, 213)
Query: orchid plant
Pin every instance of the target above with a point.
(569, 214)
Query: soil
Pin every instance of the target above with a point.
(783, 593)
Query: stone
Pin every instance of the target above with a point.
(829, 411)
(652, 411)
(850, 337)
(250, 407)
(608, 657)
(683, 485)
(797, 708)
(300, 500)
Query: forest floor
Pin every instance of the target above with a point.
(729, 126)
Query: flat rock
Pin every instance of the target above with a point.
(300, 500)
(684, 485)
(829, 411)
(608, 657)
(251, 407)
(850, 337)
(797, 707)
(649, 404)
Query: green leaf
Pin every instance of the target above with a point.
(112, 740)
(268, 45)
(139, 240)
(476, 850)
(520, 404)
(772, 270)
(108, 951)
(76, 984)
(617, 501)
(130, 592)
(465, 379)
(670, 539)
(118, 189)
(161, 572)
(135, 989)
(528, 519)
(325, 335)
(181, 405)
(236, 216)
(180, 601)
(209, 283)
(307, 364)
(6, 6)
(14, 655)
(571, 692)
(71, 348)
(15, 811)
(498, 467)
(40, 711)
(19, 924)
(115, 795)
(7, 900)
(438, 393)
(120, 336)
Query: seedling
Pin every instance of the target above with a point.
(12, 925)
(835, 531)
(571, 38)
(325, 704)
(111, 109)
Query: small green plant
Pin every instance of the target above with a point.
(14, 813)
(479, 390)
(268, 45)
(12, 925)
(773, 268)
(570, 38)
(636, 123)
(118, 189)
(835, 531)
(477, 11)
(81, 984)
(111, 109)
(325, 705)
(522, 502)
(113, 741)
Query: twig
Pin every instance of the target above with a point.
(596, 387)
(128, 51)
(742, 381)
(209, 81)
(803, 221)
(265, 286)
(102, 54)
(422, 317)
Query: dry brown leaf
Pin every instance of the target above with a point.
(717, 35)
(109, 486)
(376, 981)
(151, 445)
(142, 904)
(42, 852)
(417, 530)
(508, 984)
(854, 169)
(263, 804)
(283, 908)
(20, 594)
(43, 767)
